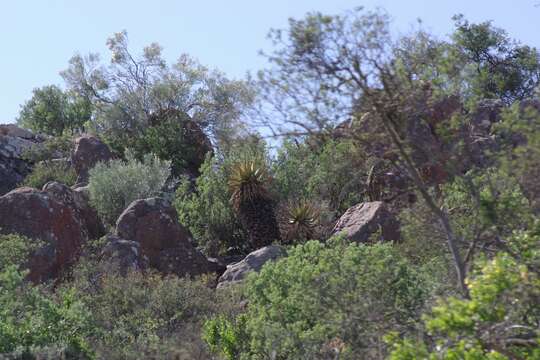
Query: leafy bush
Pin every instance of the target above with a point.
(207, 212)
(321, 299)
(499, 321)
(33, 320)
(113, 186)
(332, 174)
(52, 111)
(44, 172)
(147, 315)
(15, 250)
(206, 209)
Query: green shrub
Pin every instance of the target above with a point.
(147, 315)
(44, 172)
(332, 174)
(207, 210)
(114, 185)
(499, 321)
(15, 250)
(323, 298)
(34, 321)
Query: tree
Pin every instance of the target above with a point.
(406, 102)
(134, 94)
(498, 66)
(52, 111)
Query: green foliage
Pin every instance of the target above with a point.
(42, 173)
(114, 185)
(50, 165)
(225, 337)
(130, 91)
(498, 66)
(499, 321)
(325, 298)
(331, 175)
(51, 111)
(147, 315)
(32, 320)
(206, 210)
(15, 250)
(175, 138)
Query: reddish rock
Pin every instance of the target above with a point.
(40, 216)
(77, 199)
(362, 220)
(88, 151)
(124, 255)
(168, 245)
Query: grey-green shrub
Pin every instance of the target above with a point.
(114, 185)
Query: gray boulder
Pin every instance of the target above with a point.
(362, 220)
(14, 141)
(253, 262)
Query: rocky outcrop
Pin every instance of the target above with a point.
(153, 224)
(88, 151)
(124, 255)
(254, 262)
(14, 141)
(41, 216)
(78, 200)
(362, 220)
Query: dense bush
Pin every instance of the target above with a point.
(333, 175)
(52, 111)
(34, 321)
(207, 210)
(499, 320)
(146, 315)
(322, 299)
(114, 185)
(44, 172)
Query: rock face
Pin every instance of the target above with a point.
(14, 141)
(40, 215)
(364, 219)
(125, 255)
(252, 263)
(88, 151)
(77, 199)
(153, 224)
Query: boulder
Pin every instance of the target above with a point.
(14, 141)
(39, 215)
(153, 223)
(15, 131)
(87, 152)
(124, 255)
(253, 262)
(78, 200)
(362, 220)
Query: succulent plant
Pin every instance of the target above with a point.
(252, 202)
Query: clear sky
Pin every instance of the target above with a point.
(37, 37)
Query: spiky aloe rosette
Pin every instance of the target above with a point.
(252, 202)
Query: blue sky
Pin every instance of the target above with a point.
(37, 37)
